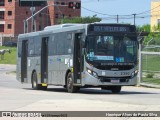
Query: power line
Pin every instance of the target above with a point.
(96, 12)
(147, 11)
(121, 17)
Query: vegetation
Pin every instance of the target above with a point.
(9, 58)
(153, 38)
(151, 80)
(151, 63)
(81, 20)
(144, 28)
(150, 75)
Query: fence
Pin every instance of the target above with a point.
(149, 65)
(4, 39)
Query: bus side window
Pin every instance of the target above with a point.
(60, 38)
(31, 48)
(19, 49)
(52, 46)
(68, 44)
(37, 47)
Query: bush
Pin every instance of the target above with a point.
(150, 75)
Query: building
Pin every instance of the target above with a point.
(58, 12)
(12, 17)
(155, 14)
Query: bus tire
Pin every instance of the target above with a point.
(115, 89)
(35, 84)
(43, 87)
(70, 87)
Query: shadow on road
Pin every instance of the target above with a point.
(93, 91)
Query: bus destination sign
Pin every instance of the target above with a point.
(100, 28)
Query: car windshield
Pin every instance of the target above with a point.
(111, 48)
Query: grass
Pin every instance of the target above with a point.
(151, 63)
(151, 69)
(9, 58)
(151, 80)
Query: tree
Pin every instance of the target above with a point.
(144, 28)
(82, 20)
(153, 38)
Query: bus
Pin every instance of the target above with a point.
(79, 56)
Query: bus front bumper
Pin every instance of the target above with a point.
(96, 81)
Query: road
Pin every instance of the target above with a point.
(15, 96)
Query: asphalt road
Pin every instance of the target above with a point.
(15, 96)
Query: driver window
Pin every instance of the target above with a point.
(105, 45)
(128, 45)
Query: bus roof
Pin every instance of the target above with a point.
(55, 29)
(63, 28)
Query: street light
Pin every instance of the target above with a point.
(31, 17)
(32, 9)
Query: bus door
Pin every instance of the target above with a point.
(44, 60)
(24, 60)
(77, 63)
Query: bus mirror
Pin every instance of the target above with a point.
(83, 51)
(140, 39)
(69, 51)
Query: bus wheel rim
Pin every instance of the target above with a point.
(69, 83)
(34, 84)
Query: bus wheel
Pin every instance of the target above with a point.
(115, 89)
(70, 87)
(35, 84)
(43, 87)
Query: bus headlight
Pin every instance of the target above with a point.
(134, 73)
(89, 71)
(92, 73)
(95, 74)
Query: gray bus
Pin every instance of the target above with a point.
(79, 55)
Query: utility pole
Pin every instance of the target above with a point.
(117, 18)
(134, 18)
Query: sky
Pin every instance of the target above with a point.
(118, 7)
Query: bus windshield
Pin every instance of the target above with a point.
(111, 48)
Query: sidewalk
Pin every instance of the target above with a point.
(149, 85)
(5, 67)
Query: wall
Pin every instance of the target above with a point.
(155, 13)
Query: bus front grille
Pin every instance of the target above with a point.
(118, 67)
(108, 79)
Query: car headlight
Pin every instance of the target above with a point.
(92, 73)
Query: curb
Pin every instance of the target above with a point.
(149, 85)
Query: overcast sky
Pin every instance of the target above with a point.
(120, 7)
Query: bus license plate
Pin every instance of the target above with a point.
(115, 81)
